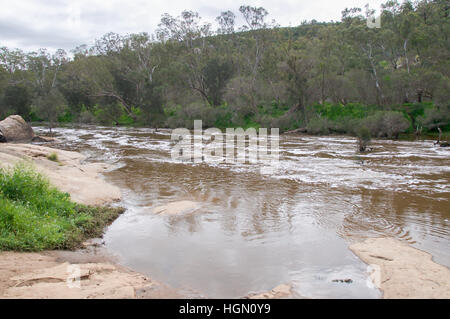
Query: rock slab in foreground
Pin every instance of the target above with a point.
(37, 276)
(405, 272)
(15, 129)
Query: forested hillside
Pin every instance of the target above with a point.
(330, 77)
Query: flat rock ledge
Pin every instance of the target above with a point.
(402, 271)
(41, 276)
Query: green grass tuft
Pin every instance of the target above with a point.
(36, 216)
(53, 157)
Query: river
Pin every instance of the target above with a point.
(253, 230)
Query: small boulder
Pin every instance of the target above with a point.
(15, 129)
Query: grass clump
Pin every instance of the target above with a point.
(36, 216)
(53, 157)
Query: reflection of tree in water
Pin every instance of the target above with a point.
(191, 222)
(246, 203)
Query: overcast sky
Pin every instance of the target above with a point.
(53, 24)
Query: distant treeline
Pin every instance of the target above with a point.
(325, 77)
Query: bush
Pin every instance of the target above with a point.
(386, 124)
(336, 111)
(395, 123)
(345, 125)
(435, 117)
(319, 126)
(53, 157)
(66, 117)
(86, 117)
(284, 123)
(36, 216)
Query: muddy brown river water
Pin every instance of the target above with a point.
(255, 231)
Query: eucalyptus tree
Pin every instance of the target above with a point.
(45, 70)
(226, 21)
(297, 68)
(256, 44)
(205, 72)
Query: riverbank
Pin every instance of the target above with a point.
(66, 171)
(56, 273)
(89, 273)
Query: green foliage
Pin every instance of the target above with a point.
(435, 117)
(17, 98)
(34, 118)
(66, 117)
(217, 73)
(386, 124)
(330, 77)
(35, 216)
(318, 125)
(50, 106)
(274, 110)
(225, 119)
(335, 111)
(125, 119)
(53, 157)
(172, 110)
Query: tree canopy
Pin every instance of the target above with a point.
(255, 74)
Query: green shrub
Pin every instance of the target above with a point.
(125, 119)
(53, 157)
(86, 117)
(284, 123)
(66, 117)
(386, 124)
(318, 126)
(36, 216)
(345, 125)
(436, 117)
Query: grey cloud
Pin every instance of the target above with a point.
(54, 24)
(28, 37)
